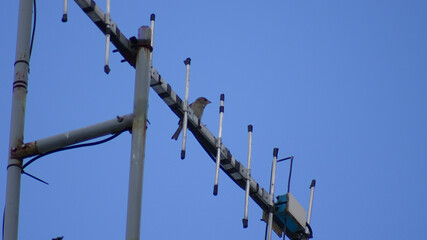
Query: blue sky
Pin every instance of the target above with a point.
(340, 85)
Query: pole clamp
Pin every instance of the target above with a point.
(137, 43)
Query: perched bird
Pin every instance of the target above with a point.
(198, 107)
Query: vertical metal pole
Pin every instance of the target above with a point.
(272, 182)
(218, 145)
(140, 108)
(184, 120)
(16, 137)
(107, 39)
(245, 216)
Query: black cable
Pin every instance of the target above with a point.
(311, 231)
(70, 147)
(34, 29)
(266, 227)
(36, 178)
(290, 173)
(290, 170)
(58, 150)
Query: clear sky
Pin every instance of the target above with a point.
(340, 85)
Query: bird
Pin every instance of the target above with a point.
(198, 107)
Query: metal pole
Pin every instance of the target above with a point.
(218, 145)
(44, 145)
(310, 205)
(16, 137)
(152, 19)
(65, 15)
(184, 120)
(248, 182)
(140, 108)
(107, 39)
(272, 182)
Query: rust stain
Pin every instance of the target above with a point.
(24, 150)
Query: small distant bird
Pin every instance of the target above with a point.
(198, 107)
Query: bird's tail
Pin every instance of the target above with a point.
(177, 132)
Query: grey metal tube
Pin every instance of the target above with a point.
(116, 125)
(65, 14)
(139, 129)
(107, 39)
(248, 182)
(16, 137)
(219, 144)
(310, 205)
(187, 63)
(272, 182)
(152, 19)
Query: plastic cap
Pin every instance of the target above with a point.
(215, 191)
(152, 17)
(275, 151)
(106, 69)
(187, 61)
(250, 128)
(313, 183)
(245, 223)
(221, 109)
(64, 18)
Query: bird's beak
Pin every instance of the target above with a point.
(209, 102)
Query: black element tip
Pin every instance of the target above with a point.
(187, 61)
(215, 191)
(64, 18)
(250, 128)
(152, 17)
(245, 223)
(106, 69)
(313, 183)
(182, 154)
(222, 97)
(275, 151)
(221, 109)
(36, 178)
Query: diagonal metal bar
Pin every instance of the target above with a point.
(48, 144)
(233, 168)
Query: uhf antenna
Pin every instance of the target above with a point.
(184, 120)
(107, 38)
